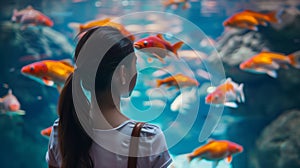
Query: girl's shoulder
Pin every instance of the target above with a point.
(147, 130)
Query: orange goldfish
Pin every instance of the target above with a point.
(47, 131)
(268, 62)
(176, 3)
(178, 80)
(157, 46)
(9, 104)
(216, 150)
(104, 22)
(51, 72)
(226, 94)
(250, 19)
(30, 16)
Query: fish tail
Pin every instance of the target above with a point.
(176, 47)
(274, 16)
(13, 18)
(295, 59)
(167, 3)
(190, 158)
(75, 27)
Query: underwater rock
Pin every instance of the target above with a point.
(19, 47)
(266, 97)
(279, 145)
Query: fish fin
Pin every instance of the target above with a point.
(189, 158)
(210, 140)
(186, 5)
(150, 60)
(176, 47)
(215, 164)
(158, 57)
(75, 27)
(265, 50)
(228, 80)
(160, 36)
(263, 23)
(231, 104)
(248, 10)
(241, 92)
(48, 82)
(29, 7)
(9, 92)
(158, 83)
(167, 3)
(274, 16)
(254, 28)
(295, 59)
(273, 74)
(229, 159)
(59, 88)
(18, 112)
(67, 62)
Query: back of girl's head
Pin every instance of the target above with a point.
(112, 47)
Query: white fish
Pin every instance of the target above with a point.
(9, 104)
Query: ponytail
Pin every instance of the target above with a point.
(73, 140)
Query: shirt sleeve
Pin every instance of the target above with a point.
(159, 156)
(52, 154)
(162, 159)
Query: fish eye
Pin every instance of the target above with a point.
(31, 68)
(145, 43)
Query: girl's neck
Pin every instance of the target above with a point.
(110, 114)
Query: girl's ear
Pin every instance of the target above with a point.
(123, 74)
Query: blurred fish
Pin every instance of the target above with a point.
(216, 150)
(178, 80)
(272, 17)
(47, 131)
(30, 16)
(249, 19)
(33, 57)
(77, 1)
(226, 94)
(183, 102)
(155, 103)
(176, 3)
(268, 62)
(192, 54)
(79, 28)
(242, 21)
(9, 104)
(49, 72)
(158, 46)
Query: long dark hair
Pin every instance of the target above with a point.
(74, 142)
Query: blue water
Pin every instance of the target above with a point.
(21, 144)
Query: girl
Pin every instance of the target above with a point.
(91, 132)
